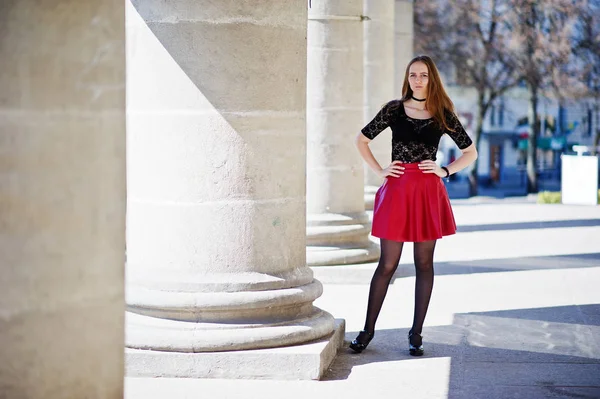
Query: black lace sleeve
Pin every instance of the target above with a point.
(379, 123)
(459, 135)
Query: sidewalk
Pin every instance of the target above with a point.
(504, 190)
(515, 313)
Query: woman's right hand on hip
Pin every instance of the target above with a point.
(395, 169)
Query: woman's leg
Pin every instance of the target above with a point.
(388, 263)
(423, 252)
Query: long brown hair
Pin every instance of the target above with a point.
(438, 102)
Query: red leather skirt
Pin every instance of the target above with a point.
(412, 208)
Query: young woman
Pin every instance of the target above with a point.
(412, 205)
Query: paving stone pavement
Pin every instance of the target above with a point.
(515, 313)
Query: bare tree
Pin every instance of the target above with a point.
(587, 66)
(541, 46)
(469, 37)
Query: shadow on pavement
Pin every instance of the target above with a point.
(530, 225)
(579, 314)
(506, 265)
(530, 353)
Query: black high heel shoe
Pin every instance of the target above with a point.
(361, 342)
(415, 344)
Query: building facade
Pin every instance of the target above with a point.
(502, 150)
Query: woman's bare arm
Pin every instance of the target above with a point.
(362, 143)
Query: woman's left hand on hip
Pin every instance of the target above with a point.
(431, 167)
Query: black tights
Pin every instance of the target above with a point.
(388, 263)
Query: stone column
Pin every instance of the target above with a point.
(216, 217)
(379, 82)
(62, 194)
(338, 227)
(404, 41)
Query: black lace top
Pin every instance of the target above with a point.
(414, 140)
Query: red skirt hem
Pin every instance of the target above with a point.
(412, 208)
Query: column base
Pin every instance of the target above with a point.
(370, 192)
(300, 362)
(168, 335)
(339, 239)
(329, 256)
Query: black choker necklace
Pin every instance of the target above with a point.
(418, 99)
